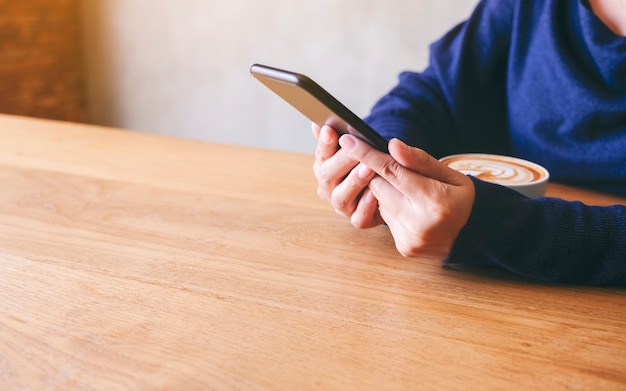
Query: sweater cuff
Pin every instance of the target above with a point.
(493, 205)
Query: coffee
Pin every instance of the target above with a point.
(526, 177)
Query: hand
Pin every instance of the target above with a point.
(342, 181)
(424, 203)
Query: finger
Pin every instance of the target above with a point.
(331, 173)
(410, 180)
(383, 164)
(366, 214)
(421, 162)
(346, 195)
(389, 198)
(327, 145)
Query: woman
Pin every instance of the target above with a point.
(544, 80)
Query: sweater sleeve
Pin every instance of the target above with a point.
(458, 103)
(547, 239)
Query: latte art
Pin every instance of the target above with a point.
(498, 169)
(521, 175)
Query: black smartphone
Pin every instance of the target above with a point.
(316, 104)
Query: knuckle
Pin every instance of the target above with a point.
(338, 202)
(360, 222)
(391, 170)
(343, 159)
(324, 177)
(422, 157)
(412, 244)
(414, 249)
(320, 156)
(316, 169)
(321, 193)
(357, 223)
(357, 220)
(408, 251)
(323, 153)
(442, 212)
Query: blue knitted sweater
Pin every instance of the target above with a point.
(543, 80)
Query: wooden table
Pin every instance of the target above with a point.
(135, 261)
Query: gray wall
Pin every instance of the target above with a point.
(181, 67)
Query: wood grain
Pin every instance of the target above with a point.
(133, 261)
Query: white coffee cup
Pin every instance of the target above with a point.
(521, 175)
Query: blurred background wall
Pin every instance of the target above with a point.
(181, 67)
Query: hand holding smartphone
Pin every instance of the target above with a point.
(316, 104)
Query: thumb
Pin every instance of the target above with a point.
(424, 164)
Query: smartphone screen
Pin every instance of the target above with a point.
(316, 104)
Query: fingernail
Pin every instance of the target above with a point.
(364, 171)
(369, 197)
(347, 143)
